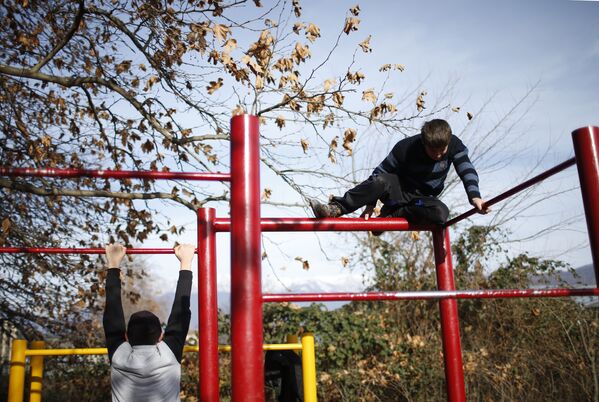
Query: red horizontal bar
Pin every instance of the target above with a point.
(114, 174)
(514, 190)
(327, 224)
(52, 250)
(429, 295)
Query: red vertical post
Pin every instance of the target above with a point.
(246, 291)
(207, 307)
(586, 149)
(450, 324)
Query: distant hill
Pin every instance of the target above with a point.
(582, 277)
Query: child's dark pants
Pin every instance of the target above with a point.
(416, 208)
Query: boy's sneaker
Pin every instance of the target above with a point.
(325, 210)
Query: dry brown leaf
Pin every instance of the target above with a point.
(332, 148)
(469, 115)
(300, 53)
(297, 27)
(400, 67)
(365, 45)
(46, 140)
(230, 45)
(420, 101)
(280, 122)
(338, 98)
(328, 120)
(315, 105)
(214, 57)
(376, 112)
(123, 67)
(259, 82)
(349, 136)
(293, 78)
(305, 144)
(297, 9)
(388, 95)
(329, 83)
(385, 67)
(391, 108)
(264, 255)
(220, 32)
(355, 78)
(147, 146)
(355, 10)
(312, 32)
(455, 109)
(290, 103)
(150, 82)
(351, 24)
(305, 263)
(345, 261)
(283, 64)
(415, 235)
(369, 95)
(239, 110)
(6, 225)
(214, 86)
(252, 64)
(266, 194)
(271, 23)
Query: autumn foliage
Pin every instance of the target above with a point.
(152, 85)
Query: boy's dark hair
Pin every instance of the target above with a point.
(436, 133)
(143, 328)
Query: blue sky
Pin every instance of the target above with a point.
(496, 49)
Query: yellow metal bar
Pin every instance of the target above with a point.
(19, 354)
(274, 346)
(37, 373)
(64, 352)
(103, 351)
(309, 367)
(16, 376)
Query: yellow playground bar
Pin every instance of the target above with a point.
(36, 352)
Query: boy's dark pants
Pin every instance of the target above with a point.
(416, 208)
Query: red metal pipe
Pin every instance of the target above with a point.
(514, 190)
(54, 250)
(450, 324)
(428, 295)
(207, 307)
(326, 225)
(114, 174)
(586, 149)
(246, 291)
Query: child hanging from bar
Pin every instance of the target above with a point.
(145, 363)
(409, 180)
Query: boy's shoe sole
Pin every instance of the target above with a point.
(324, 210)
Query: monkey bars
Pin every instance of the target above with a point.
(113, 174)
(37, 351)
(246, 225)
